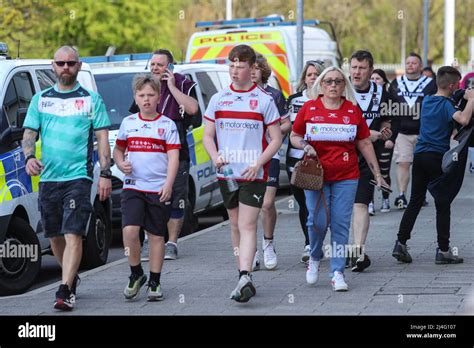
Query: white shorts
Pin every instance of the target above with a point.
(404, 148)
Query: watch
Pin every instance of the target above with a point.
(106, 173)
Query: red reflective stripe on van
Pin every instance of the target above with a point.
(200, 53)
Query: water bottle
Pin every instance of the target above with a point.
(232, 184)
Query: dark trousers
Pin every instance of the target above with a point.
(384, 157)
(303, 211)
(426, 168)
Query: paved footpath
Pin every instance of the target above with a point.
(200, 281)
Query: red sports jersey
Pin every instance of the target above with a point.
(147, 142)
(333, 133)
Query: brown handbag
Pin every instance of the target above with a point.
(308, 174)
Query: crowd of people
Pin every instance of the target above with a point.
(352, 123)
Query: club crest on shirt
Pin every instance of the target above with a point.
(346, 119)
(79, 104)
(253, 103)
(161, 131)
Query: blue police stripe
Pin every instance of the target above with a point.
(15, 174)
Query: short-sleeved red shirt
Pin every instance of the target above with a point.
(333, 134)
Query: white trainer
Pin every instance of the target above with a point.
(312, 273)
(269, 256)
(338, 282)
(305, 255)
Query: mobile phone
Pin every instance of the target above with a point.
(170, 66)
(383, 188)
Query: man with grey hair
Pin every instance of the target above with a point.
(66, 115)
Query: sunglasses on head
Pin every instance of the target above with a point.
(315, 62)
(69, 63)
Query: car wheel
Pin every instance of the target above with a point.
(99, 236)
(18, 273)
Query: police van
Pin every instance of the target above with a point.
(114, 76)
(22, 241)
(272, 37)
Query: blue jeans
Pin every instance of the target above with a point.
(340, 196)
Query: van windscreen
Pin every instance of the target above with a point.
(116, 90)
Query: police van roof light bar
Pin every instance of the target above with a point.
(307, 22)
(117, 58)
(239, 22)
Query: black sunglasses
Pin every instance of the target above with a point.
(70, 63)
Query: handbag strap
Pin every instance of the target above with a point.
(315, 158)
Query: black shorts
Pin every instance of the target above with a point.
(274, 173)
(65, 207)
(145, 210)
(181, 186)
(249, 193)
(365, 190)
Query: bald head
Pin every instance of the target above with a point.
(67, 50)
(66, 66)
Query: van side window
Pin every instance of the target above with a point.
(19, 94)
(46, 78)
(225, 79)
(209, 83)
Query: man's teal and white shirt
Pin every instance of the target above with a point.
(66, 121)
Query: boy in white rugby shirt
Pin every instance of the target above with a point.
(238, 118)
(152, 143)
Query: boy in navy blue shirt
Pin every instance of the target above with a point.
(436, 127)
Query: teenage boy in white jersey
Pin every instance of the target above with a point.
(238, 118)
(152, 142)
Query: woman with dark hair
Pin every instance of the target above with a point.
(380, 78)
(385, 153)
(295, 102)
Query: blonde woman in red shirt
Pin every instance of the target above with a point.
(331, 125)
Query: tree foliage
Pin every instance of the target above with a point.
(142, 26)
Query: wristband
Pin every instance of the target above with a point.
(28, 158)
(106, 173)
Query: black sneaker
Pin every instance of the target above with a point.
(351, 261)
(362, 263)
(443, 258)
(401, 202)
(64, 298)
(400, 252)
(74, 285)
